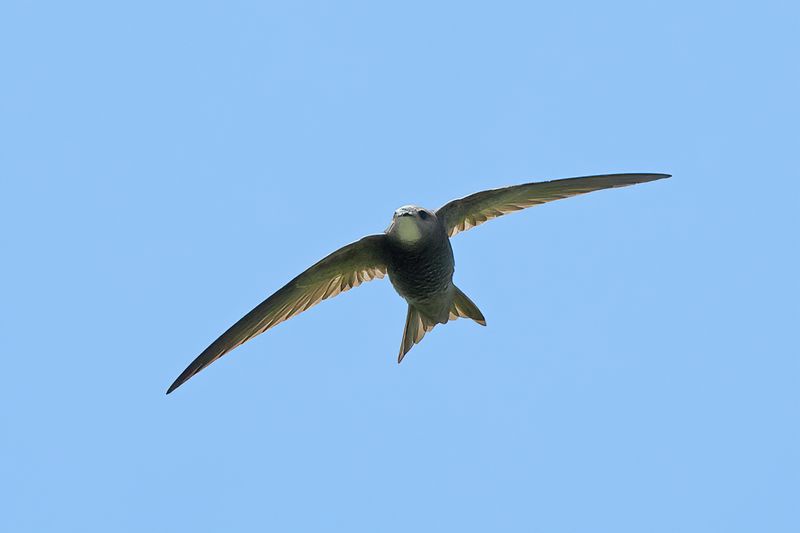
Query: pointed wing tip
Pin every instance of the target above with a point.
(185, 376)
(644, 177)
(174, 386)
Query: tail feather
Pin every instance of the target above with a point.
(417, 325)
(463, 307)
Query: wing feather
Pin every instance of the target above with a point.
(348, 267)
(475, 209)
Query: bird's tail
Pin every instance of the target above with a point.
(463, 307)
(417, 325)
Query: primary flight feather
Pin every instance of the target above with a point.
(415, 251)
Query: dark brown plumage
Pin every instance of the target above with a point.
(415, 251)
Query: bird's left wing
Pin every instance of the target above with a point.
(475, 209)
(348, 267)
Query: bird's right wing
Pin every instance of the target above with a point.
(348, 267)
(475, 209)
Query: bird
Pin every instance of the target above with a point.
(416, 254)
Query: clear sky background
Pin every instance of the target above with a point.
(166, 166)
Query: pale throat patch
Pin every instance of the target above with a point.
(407, 229)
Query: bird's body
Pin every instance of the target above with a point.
(415, 251)
(421, 270)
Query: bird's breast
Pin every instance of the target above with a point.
(424, 274)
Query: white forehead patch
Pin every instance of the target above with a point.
(404, 209)
(407, 229)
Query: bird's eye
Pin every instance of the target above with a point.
(423, 215)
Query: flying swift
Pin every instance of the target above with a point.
(415, 252)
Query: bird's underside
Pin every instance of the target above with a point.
(413, 231)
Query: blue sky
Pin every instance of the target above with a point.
(166, 166)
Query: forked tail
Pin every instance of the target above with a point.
(417, 324)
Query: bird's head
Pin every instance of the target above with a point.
(411, 224)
